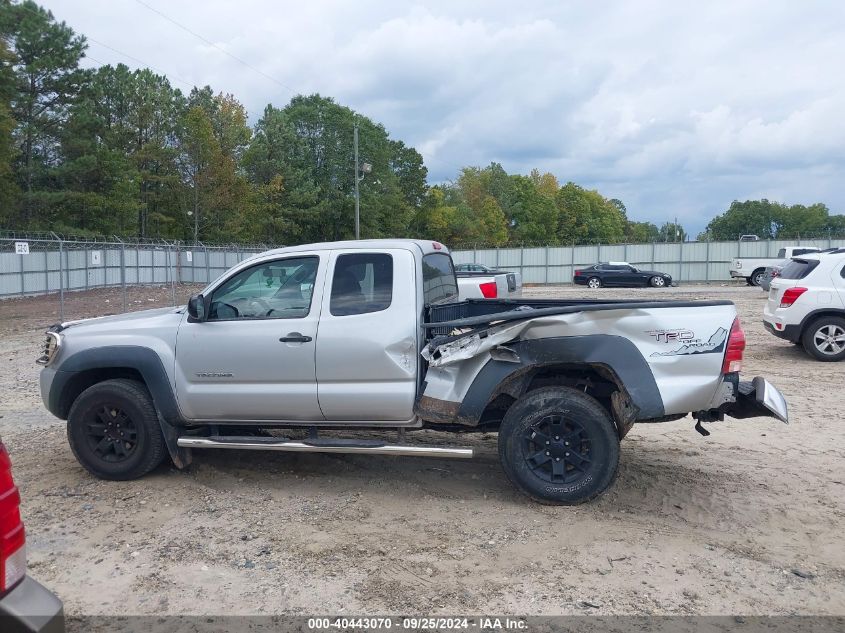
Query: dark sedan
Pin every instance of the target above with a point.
(620, 274)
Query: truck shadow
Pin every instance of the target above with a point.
(653, 479)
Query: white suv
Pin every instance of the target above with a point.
(807, 304)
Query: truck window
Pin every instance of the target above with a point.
(279, 289)
(362, 283)
(439, 283)
(798, 268)
(782, 253)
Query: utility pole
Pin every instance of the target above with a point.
(365, 168)
(357, 193)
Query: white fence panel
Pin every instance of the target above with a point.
(685, 261)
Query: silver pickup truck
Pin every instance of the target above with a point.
(369, 335)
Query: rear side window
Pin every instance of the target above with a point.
(798, 268)
(803, 251)
(842, 272)
(439, 281)
(782, 253)
(362, 283)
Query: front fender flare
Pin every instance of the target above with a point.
(143, 360)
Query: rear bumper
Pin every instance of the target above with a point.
(790, 333)
(31, 608)
(737, 274)
(757, 398)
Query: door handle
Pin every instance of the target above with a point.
(295, 337)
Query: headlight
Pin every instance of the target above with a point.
(51, 348)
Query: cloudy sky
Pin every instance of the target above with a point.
(676, 108)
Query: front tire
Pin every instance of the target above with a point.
(824, 339)
(559, 446)
(113, 430)
(657, 282)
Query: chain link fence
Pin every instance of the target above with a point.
(46, 263)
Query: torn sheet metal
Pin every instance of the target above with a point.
(473, 344)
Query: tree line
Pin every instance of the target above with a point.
(112, 150)
(774, 220)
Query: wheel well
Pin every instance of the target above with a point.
(84, 379)
(815, 316)
(595, 380)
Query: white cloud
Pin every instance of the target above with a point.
(676, 108)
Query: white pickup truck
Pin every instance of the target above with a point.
(370, 335)
(479, 282)
(752, 268)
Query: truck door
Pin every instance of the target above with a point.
(253, 359)
(367, 338)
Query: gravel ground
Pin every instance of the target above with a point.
(749, 520)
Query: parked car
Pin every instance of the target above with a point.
(375, 338)
(477, 281)
(25, 605)
(474, 268)
(620, 274)
(752, 268)
(806, 304)
(771, 272)
(749, 238)
(774, 270)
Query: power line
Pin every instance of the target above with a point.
(111, 48)
(142, 62)
(219, 48)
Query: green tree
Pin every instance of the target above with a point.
(492, 228)
(671, 232)
(214, 192)
(640, 232)
(9, 191)
(586, 217)
(47, 75)
(546, 184)
(758, 217)
(769, 220)
(533, 216)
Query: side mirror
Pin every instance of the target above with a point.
(196, 308)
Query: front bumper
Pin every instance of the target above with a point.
(31, 608)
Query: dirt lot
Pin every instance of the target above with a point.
(749, 520)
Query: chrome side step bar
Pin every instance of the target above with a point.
(339, 446)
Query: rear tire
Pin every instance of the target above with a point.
(113, 430)
(594, 282)
(756, 277)
(559, 446)
(824, 339)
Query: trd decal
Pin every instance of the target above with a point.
(669, 336)
(713, 345)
